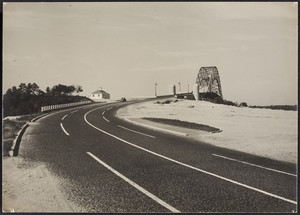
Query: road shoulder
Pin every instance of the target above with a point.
(26, 184)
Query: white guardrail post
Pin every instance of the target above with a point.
(53, 107)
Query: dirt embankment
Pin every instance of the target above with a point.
(262, 132)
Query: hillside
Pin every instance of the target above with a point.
(263, 132)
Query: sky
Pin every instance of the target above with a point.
(125, 48)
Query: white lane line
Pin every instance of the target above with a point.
(189, 166)
(274, 170)
(136, 131)
(74, 111)
(109, 108)
(106, 119)
(103, 113)
(64, 117)
(62, 127)
(141, 189)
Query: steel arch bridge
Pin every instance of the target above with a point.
(208, 80)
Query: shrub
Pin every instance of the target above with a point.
(218, 100)
(167, 102)
(225, 102)
(243, 104)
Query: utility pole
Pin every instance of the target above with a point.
(155, 90)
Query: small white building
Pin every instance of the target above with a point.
(99, 95)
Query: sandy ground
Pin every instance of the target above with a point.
(263, 132)
(30, 187)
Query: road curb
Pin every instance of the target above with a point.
(16, 143)
(38, 117)
(156, 128)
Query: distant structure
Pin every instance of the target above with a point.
(99, 95)
(172, 90)
(208, 83)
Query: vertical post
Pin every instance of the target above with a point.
(155, 90)
(196, 92)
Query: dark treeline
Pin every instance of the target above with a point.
(277, 107)
(28, 99)
(213, 97)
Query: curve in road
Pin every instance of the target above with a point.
(143, 170)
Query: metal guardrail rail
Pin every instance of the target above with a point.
(59, 106)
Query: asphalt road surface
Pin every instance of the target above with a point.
(109, 165)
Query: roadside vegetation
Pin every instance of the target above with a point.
(219, 100)
(23, 103)
(278, 107)
(215, 98)
(10, 128)
(28, 99)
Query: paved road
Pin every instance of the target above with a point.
(109, 165)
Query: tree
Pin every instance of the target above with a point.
(22, 88)
(71, 89)
(28, 98)
(33, 89)
(78, 89)
(59, 89)
(48, 90)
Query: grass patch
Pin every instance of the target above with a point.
(169, 101)
(10, 129)
(184, 124)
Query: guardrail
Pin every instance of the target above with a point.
(54, 107)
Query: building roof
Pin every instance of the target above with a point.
(99, 92)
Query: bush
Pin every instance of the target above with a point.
(225, 102)
(278, 107)
(243, 104)
(167, 102)
(218, 100)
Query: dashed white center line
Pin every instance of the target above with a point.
(189, 166)
(74, 111)
(136, 131)
(105, 119)
(138, 187)
(64, 117)
(103, 113)
(251, 164)
(62, 127)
